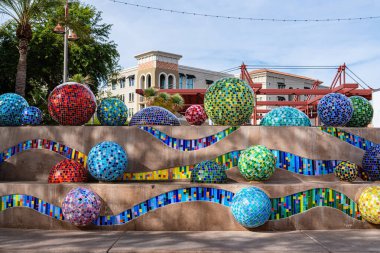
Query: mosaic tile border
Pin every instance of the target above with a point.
(188, 144)
(348, 137)
(282, 208)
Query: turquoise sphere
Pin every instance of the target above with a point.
(285, 116)
(11, 108)
(112, 112)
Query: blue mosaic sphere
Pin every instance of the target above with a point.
(209, 172)
(251, 207)
(371, 163)
(31, 116)
(154, 115)
(112, 112)
(285, 116)
(335, 109)
(11, 107)
(107, 161)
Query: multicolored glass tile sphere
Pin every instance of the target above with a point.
(363, 112)
(257, 163)
(335, 109)
(68, 171)
(371, 163)
(154, 115)
(195, 115)
(112, 112)
(31, 116)
(209, 172)
(229, 101)
(346, 171)
(71, 104)
(251, 207)
(107, 161)
(285, 116)
(369, 204)
(11, 108)
(81, 206)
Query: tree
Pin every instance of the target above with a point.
(24, 13)
(173, 103)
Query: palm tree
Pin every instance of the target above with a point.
(24, 13)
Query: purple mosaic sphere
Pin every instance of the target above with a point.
(335, 109)
(81, 206)
(154, 115)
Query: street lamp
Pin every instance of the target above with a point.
(68, 35)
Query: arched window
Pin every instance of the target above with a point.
(162, 81)
(171, 83)
(142, 82)
(148, 81)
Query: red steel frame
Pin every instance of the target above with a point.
(309, 105)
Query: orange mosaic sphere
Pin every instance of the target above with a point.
(68, 171)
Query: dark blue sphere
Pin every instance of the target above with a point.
(335, 109)
(107, 161)
(31, 116)
(371, 163)
(154, 115)
(11, 107)
(112, 112)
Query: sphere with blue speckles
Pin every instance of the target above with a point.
(31, 116)
(112, 112)
(335, 109)
(11, 108)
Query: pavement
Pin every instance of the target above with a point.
(16, 240)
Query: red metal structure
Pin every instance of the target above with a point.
(307, 105)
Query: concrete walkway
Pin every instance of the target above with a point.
(13, 240)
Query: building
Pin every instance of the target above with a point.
(159, 70)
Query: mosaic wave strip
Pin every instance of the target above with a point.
(45, 144)
(350, 138)
(282, 207)
(188, 145)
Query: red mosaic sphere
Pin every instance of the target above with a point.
(68, 171)
(195, 115)
(72, 104)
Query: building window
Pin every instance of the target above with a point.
(162, 81)
(209, 82)
(170, 82)
(131, 97)
(130, 112)
(122, 83)
(131, 81)
(279, 98)
(122, 98)
(181, 80)
(142, 82)
(190, 82)
(281, 85)
(113, 84)
(148, 81)
(306, 88)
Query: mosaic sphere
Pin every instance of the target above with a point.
(285, 116)
(107, 161)
(371, 163)
(369, 204)
(112, 112)
(251, 207)
(346, 171)
(335, 109)
(81, 206)
(195, 115)
(154, 115)
(209, 172)
(363, 112)
(11, 107)
(229, 101)
(67, 171)
(257, 163)
(31, 116)
(71, 104)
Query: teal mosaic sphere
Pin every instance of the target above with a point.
(251, 207)
(112, 112)
(363, 112)
(11, 108)
(285, 116)
(209, 172)
(257, 163)
(229, 101)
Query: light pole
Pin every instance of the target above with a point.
(68, 35)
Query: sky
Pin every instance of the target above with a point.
(219, 44)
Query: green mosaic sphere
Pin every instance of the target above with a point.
(112, 112)
(363, 112)
(209, 172)
(346, 171)
(257, 163)
(285, 116)
(229, 101)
